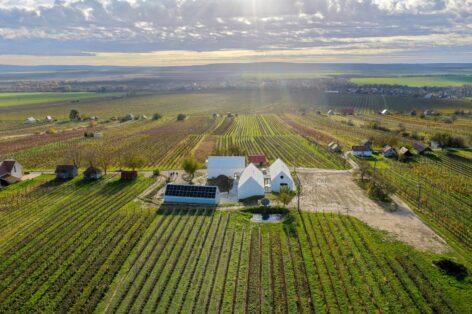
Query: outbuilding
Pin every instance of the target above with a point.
(128, 175)
(30, 120)
(230, 166)
(280, 176)
(10, 172)
(65, 172)
(361, 151)
(191, 194)
(258, 160)
(420, 148)
(334, 147)
(389, 151)
(92, 173)
(251, 183)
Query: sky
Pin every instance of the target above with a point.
(188, 32)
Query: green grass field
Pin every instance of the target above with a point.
(416, 81)
(19, 99)
(98, 250)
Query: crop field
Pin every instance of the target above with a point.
(62, 243)
(20, 99)
(205, 261)
(416, 81)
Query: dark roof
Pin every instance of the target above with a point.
(65, 168)
(361, 148)
(195, 191)
(257, 159)
(420, 147)
(6, 167)
(91, 170)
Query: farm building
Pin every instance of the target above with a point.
(280, 176)
(10, 172)
(330, 112)
(229, 166)
(191, 194)
(434, 145)
(49, 119)
(251, 183)
(127, 175)
(361, 151)
(405, 152)
(389, 151)
(30, 120)
(334, 147)
(92, 173)
(64, 172)
(421, 148)
(347, 111)
(385, 112)
(258, 160)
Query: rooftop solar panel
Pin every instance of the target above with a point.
(190, 191)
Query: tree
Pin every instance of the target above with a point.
(363, 169)
(235, 150)
(285, 195)
(73, 154)
(181, 117)
(190, 166)
(156, 116)
(134, 161)
(105, 157)
(74, 114)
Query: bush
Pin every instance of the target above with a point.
(447, 140)
(181, 117)
(452, 268)
(376, 192)
(156, 116)
(156, 172)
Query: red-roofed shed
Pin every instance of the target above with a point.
(258, 160)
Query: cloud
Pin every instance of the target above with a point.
(47, 27)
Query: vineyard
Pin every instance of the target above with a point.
(205, 261)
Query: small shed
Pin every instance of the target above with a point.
(405, 152)
(258, 160)
(129, 175)
(421, 148)
(388, 151)
(229, 166)
(434, 145)
(413, 113)
(347, 111)
(251, 183)
(330, 112)
(92, 173)
(385, 112)
(30, 120)
(334, 147)
(65, 172)
(280, 176)
(49, 119)
(191, 194)
(361, 151)
(11, 172)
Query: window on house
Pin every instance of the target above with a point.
(282, 177)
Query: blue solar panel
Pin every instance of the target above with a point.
(191, 191)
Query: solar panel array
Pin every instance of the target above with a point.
(191, 191)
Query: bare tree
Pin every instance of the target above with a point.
(74, 154)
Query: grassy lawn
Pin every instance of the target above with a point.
(18, 99)
(416, 81)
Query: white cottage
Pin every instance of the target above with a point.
(280, 176)
(229, 166)
(251, 183)
(10, 172)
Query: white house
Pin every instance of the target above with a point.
(31, 120)
(251, 183)
(280, 176)
(225, 165)
(10, 172)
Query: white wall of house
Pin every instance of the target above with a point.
(225, 165)
(251, 183)
(280, 176)
(192, 200)
(17, 170)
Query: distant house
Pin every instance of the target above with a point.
(30, 120)
(334, 147)
(361, 151)
(97, 135)
(413, 113)
(420, 148)
(258, 160)
(367, 143)
(385, 112)
(434, 145)
(330, 112)
(65, 172)
(388, 151)
(49, 119)
(229, 166)
(10, 172)
(128, 117)
(129, 175)
(347, 111)
(92, 173)
(280, 176)
(404, 152)
(251, 183)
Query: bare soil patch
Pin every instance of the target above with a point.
(336, 191)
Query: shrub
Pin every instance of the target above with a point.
(156, 172)
(376, 192)
(181, 117)
(156, 116)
